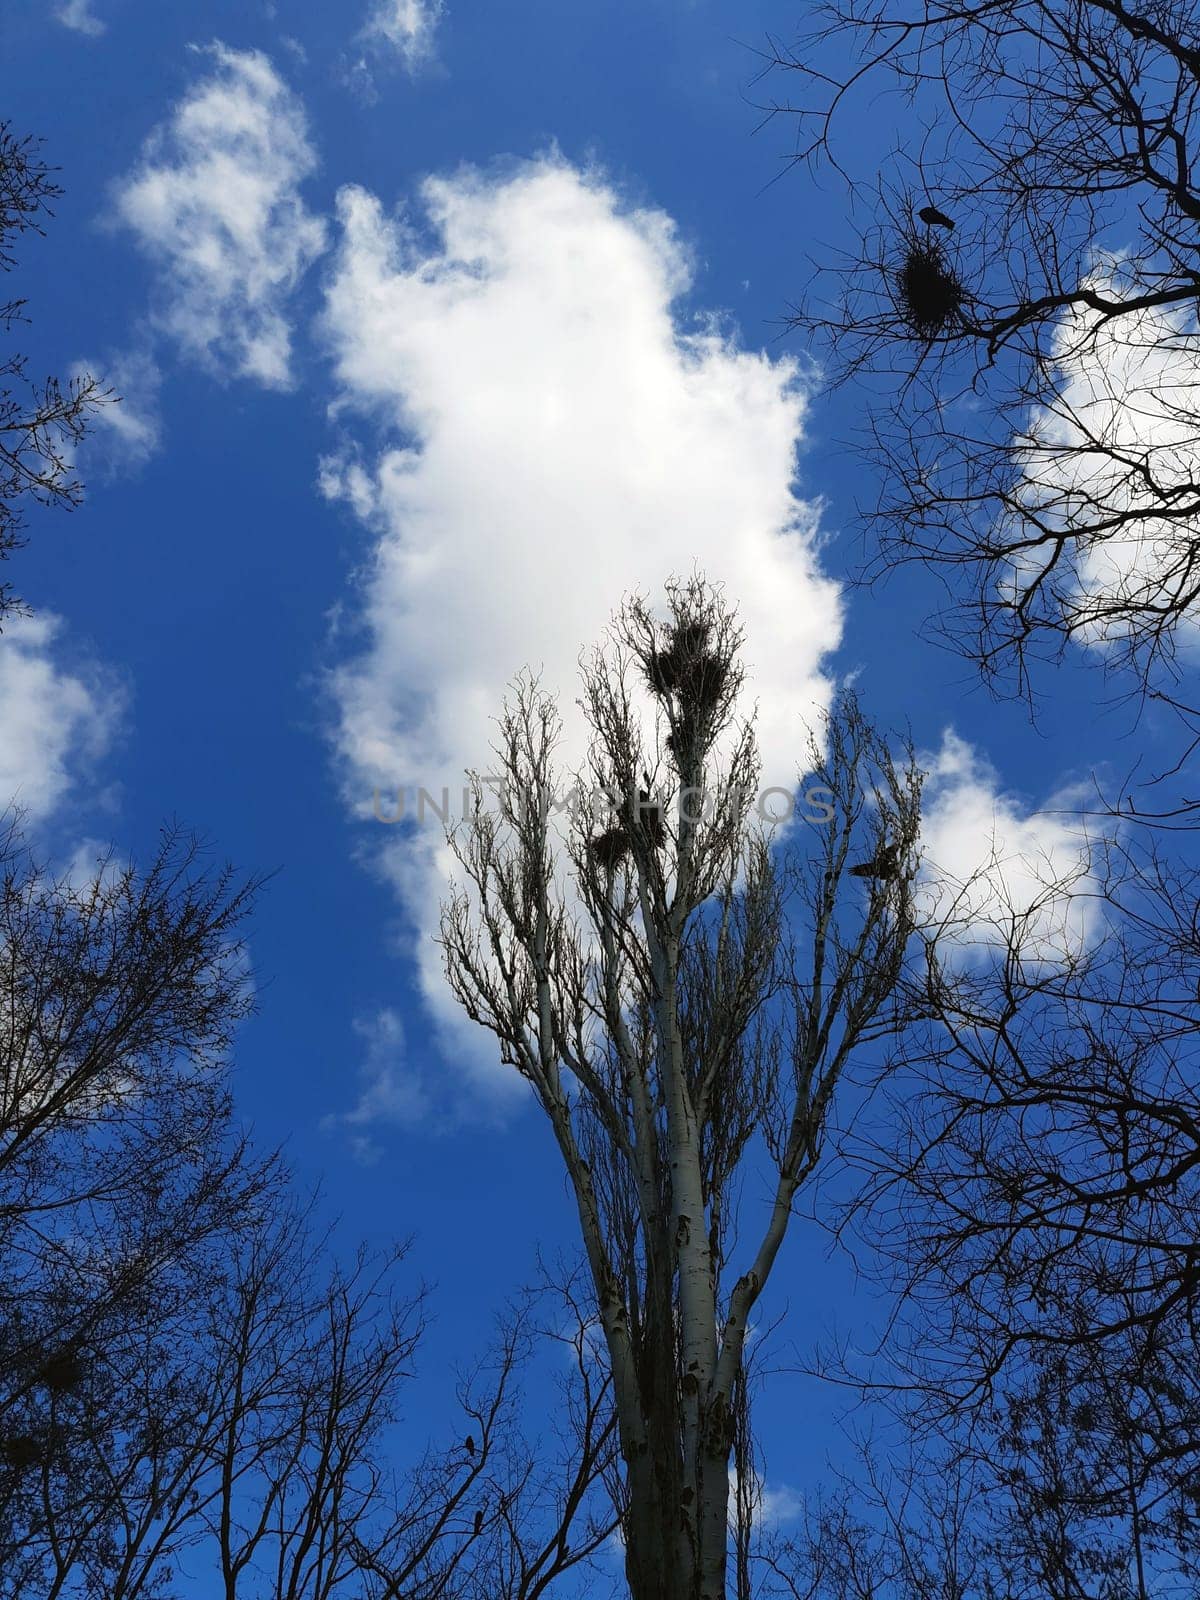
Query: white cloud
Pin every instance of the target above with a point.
(995, 871)
(55, 722)
(128, 431)
(215, 202)
(90, 862)
(771, 1506)
(391, 1093)
(407, 26)
(1119, 440)
(561, 436)
(77, 15)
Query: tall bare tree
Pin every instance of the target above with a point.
(119, 1170)
(1020, 308)
(40, 423)
(1026, 1181)
(1021, 312)
(682, 998)
(192, 1380)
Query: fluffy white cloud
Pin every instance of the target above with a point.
(771, 1505)
(215, 202)
(562, 435)
(54, 721)
(995, 872)
(392, 1093)
(89, 862)
(406, 26)
(1120, 439)
(127, 432)
(78, 15)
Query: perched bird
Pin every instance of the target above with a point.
(933, 218)
(478, 1523)
(884, 865)
(469, 1445)
(650, 815)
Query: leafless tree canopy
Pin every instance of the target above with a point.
(194, 1384)
(1026, 1181)
(40, 424)
(1020, 1516)
(1034, 416)
(682, 998)
(1020, 310)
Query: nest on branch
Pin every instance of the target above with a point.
(21, 1450)
(62, 1371)
(929, 293)
(688, 669)
(609, 849)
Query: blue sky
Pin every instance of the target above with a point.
(435, 337)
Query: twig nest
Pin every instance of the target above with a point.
(706, 683)
(688, 669)
(62, 1371)
(609, 849)
(21, 1450)
(929, 293)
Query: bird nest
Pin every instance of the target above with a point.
(20, 1450)
(609, 849)
(63, 1370)
(688, 669)
(929, 293)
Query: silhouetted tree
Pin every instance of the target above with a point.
(118, 1166)
(40, 423)
(191, 1379)
(1034, 424)
(1036, 430)
(1027, 1181)
(1043, 1500)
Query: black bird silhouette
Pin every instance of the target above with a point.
(478, 1523)
(469, 1445)
(884, 865)
(933, 218)
(650, 814)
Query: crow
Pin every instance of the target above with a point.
(650, 815)
(885, 865)
(478, 1524)
(469, 1445)
(933, 218)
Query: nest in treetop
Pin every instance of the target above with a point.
(929, 293)
(609, 849)
(62, 1371)
(688, 668)
(20, 1450)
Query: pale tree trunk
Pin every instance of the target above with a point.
(659, 1012)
